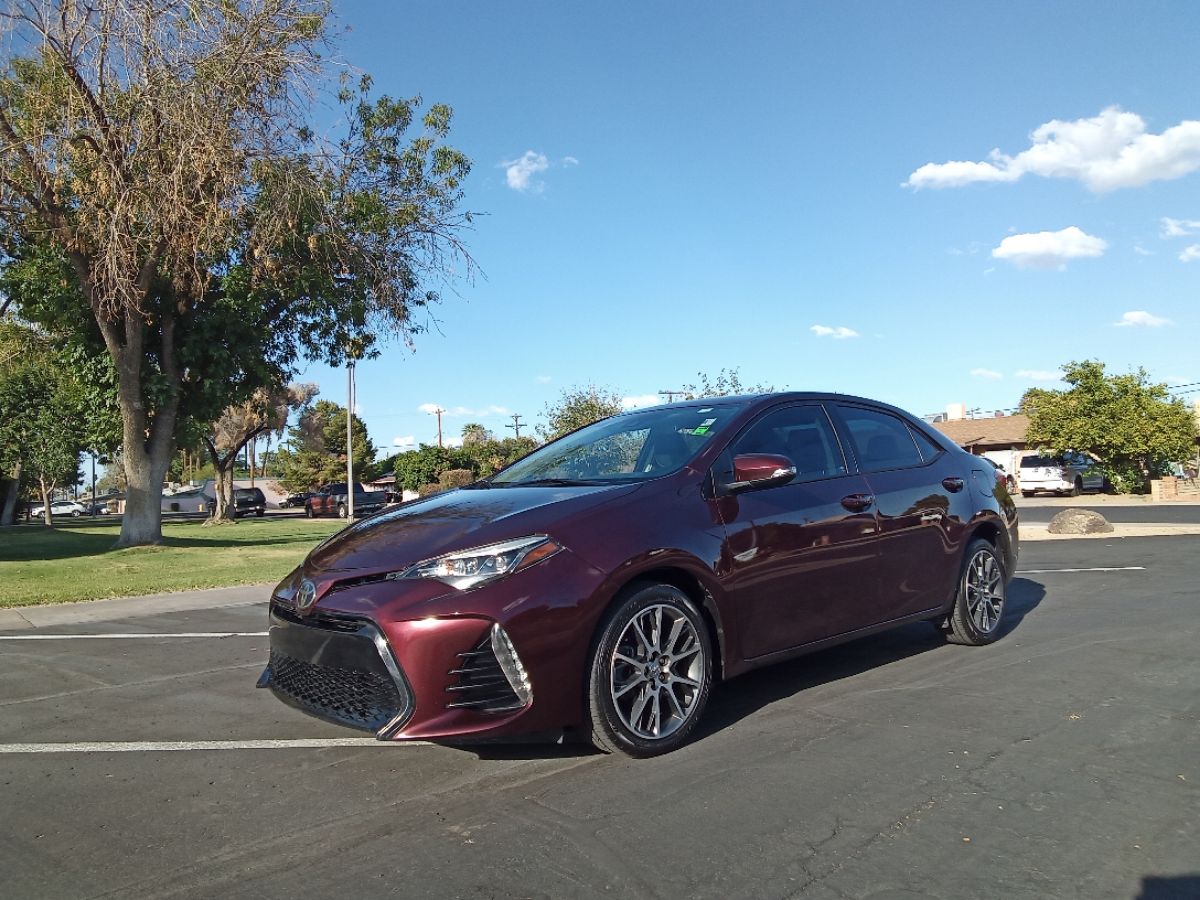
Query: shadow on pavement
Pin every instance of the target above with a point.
(1170, 887)
(749, 693)
(743, 696)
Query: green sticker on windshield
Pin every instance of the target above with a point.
(703, 429)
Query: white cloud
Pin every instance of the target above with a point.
(405, 442)
(1178, 227)
(1049, 249)
(1109, 151)
(543, 379)
(453, 441)
(430, 408)
(640, 400)
(570, 161)
(1139, 317)
(1142, 251)
(1039, 375)
(839, 333)
(1190, 254)
(987, 373)
(519, 173)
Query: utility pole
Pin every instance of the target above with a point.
(517, 424)
(350, 438)
(438, 412)
(671, 395)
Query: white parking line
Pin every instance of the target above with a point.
(156, 746)
(130, 636)
(1096, 569)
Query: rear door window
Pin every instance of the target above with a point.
(881, 441)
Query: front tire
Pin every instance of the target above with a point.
(1076, 488)
(979, 604)
(650, 673)
(343, 511)
(1027, 493)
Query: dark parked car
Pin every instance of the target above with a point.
(600, 585)
(334, 500)
(296, 500)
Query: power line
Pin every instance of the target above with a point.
(671, 395)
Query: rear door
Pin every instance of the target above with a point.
(802, 561)
(922, 501)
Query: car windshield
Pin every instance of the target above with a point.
(634, 446)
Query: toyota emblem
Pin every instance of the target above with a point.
(306, 596)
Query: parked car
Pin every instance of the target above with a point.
(295, 500)
(334, 500)
(246, 501)
(1068, 473)
(599, 586)
(60, 508)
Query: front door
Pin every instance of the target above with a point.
(802, 563)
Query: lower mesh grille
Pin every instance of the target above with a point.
(480, 683)
(356, 698)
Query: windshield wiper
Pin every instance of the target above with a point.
(551, 482)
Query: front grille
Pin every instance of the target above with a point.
(479, 682)
(359, 699)
(337, 668)
(286, 609)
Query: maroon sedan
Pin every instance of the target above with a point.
(599, 586)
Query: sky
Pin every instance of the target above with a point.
(921, 203)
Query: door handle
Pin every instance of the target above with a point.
(858, 502)
(953, 484)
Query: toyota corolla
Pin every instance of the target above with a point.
(599, 587)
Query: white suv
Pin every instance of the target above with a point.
(1070, 473)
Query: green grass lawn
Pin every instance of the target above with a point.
(41, 565)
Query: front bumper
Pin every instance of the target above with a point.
(337, 668)
(439, 642)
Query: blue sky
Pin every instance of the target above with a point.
(671, 188)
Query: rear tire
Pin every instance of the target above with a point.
(1027, 493)
(342, 511)
(1077, 488)
(259, 512)
(978, 609)
(650, 672)
(309, 512)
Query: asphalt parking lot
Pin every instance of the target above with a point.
(1062, 762)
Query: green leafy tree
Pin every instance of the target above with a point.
(474, 433)
(725, 383)
(160, 156)
(576, 407)
(318, 453)
(416, 468)
(41, 436)
(489, 457)
(1131, 425)
(266, 411)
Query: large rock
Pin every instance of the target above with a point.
(1079, 521)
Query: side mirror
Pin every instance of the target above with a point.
(761, 470)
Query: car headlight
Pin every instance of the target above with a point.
(467, 568)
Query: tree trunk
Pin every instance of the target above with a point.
(224, 508)
(8, 514)
(46, 514)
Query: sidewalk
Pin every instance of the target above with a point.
(25, 618)
(1038, 531)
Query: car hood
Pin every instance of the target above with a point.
(454, 520)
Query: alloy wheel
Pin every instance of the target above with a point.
(656, 672)
(984, 584)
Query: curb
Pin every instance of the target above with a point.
(28, 618)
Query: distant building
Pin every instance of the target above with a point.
(1000, 438)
